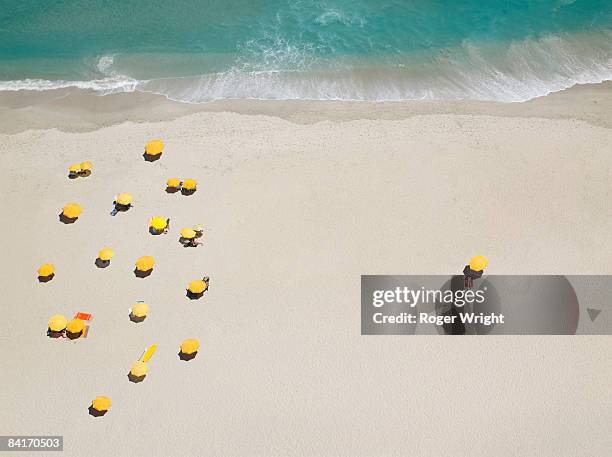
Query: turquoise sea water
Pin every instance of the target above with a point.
(200, 50)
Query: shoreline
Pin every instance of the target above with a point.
(81, 111)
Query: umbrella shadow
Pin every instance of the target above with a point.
(142, 274)
(73, 175)
(455, 326)
(53, 334)
(137, 319)
(95, 413)
(46, 278)
(187, 191)
(189, 243)
(136, 379)
(67, 220)
(193, 296)
(74, 336)
(155, 232)
(102, 263)
(187, 357)
(122, 208)
(151, 158)
(172, 190)
(84, 173)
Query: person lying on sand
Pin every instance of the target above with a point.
(167, 229)
(192, 243)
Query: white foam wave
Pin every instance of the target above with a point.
(105, 63)
(103, 86)
(516, 72)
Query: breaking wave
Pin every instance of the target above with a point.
(511, 72)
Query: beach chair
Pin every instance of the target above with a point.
(85, 317)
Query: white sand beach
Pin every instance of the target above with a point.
(298, 199)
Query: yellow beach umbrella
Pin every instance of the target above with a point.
(57, 323)
(75, 326)
(75, 167)
(197, 287)
(154, 147)
(46, 270)
(139, 369)
(86, 166)
(188, 233)
(145, 263)
(124, 199)
(478, 263)
(140, 310)
(106, 254)
(190, 346)
(72, 210)
(190, 184)
(173, 182)
(158, 222)
(101, 403)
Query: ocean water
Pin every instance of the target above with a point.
(201, 50)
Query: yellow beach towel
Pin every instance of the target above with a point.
(149, 353)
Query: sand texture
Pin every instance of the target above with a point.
(294, 213)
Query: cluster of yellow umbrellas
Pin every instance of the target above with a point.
(187, 186)
(80, 169)
(58, 324)
(70, 212)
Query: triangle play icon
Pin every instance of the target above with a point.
(593, 313)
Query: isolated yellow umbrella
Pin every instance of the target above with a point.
(190, 184)
(75, 167)
(478, 263)
(57, 323)
(158, 223)
(154, 147)
(106, 254)
(190, 346)
(139, 369)
(124, 199)
(86, 166)
(75, 326)
(197, 287)
(46, 270)
(101, 403)
(72, 210)
(173, 182)
(140, 310)
(145, 263)
(188, 233)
